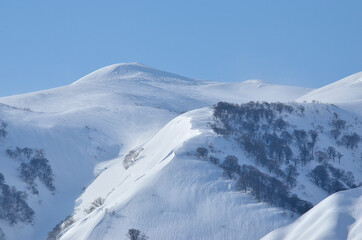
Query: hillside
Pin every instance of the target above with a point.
(168, 192)
(190, 181)
(74, 132)
(345, 92)
(337, 217)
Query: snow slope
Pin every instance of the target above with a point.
(337, 217)
(171, 194)
(82, 126)
(345, 92)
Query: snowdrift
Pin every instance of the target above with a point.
(337, 217)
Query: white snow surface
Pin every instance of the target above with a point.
(346, 93)
(169, 194)
(82, 127)
(337, 217)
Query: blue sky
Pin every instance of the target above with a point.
(45, 44)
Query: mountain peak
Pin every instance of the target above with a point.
(255, 82)
(121, 68)
(131, 71)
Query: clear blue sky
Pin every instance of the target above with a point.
(45, 44)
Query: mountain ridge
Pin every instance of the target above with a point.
(346, 89)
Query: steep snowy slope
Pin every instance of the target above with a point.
(99, 117)
(346, 92)
(337, 217)
(172, 191)
(169, 194)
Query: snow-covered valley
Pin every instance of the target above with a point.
(122, 145)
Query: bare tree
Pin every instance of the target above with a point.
(135, 234)
(201, 152)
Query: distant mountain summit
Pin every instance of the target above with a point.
(256, 82)
(135, 72)
(145, 85)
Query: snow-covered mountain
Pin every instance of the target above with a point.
(337, 217)
(99, 117)
(171, 192)
(345, 92)
(125, 144)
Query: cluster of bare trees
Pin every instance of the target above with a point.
(33, 165)
(13, 205)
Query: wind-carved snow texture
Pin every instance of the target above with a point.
(87, 128)
(337, 217)
(243, 180)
